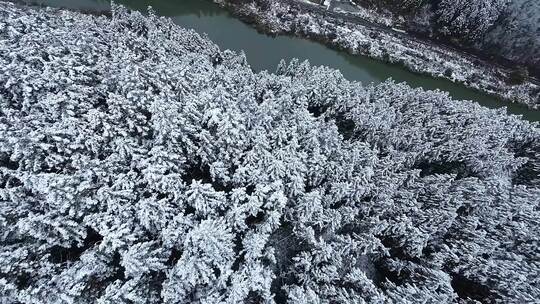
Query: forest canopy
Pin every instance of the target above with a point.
(139, 163)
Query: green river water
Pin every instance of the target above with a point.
(264, 52)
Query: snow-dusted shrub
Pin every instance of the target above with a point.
(141, 164)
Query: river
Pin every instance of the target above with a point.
(264, 52)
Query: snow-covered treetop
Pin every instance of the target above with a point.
(141, 164)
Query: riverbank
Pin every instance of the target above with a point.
(358, 37)
(508, 35)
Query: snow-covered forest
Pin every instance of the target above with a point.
(139, 163)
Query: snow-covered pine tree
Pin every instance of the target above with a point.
(469, 18)
(141, 164)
